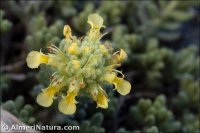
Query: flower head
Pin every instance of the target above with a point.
(81, 64)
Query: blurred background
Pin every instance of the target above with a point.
(161, 38)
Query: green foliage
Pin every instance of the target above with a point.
(152, 129)
(80, 20)
(4, 81)
(121, 39)
(112, 11)
(113, 104)
(188, 62)
(42, 35)
(21, 110)
(93, 125)
(122, 130)
(44, 74)
(150, 113)
(188, 96)
(5, 23)
(111, 17)
(190, 122)
(63, 8)
(147, 61)
(161, 20)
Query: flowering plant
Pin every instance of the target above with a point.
(80, 63)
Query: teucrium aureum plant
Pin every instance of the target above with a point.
(80, 64)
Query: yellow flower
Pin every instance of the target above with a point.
(95, 21)
(98, 95)
(101, 99)
(122, 55)
(68, 104)
(117, 57)
(73, 49)
(81, 64)
(122, 86)
(35, 58)
(46, 97)
(67, 31)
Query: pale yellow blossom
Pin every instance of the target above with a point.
(68, 104)
(45, 98)
(35, 58)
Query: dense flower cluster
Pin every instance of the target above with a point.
(80, 63)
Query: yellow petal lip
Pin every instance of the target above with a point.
(67, 108)
(35, 58)
(122, 55)
(68, 104)
(102, 100)
(122, 86)
(45, 98)
(95, 21)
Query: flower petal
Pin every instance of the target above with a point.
(35, 58)
(44, 99)
(95, 20)
(101, 99)
(66, 108)
(122, 86)
(122, 55)
(68, 104)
